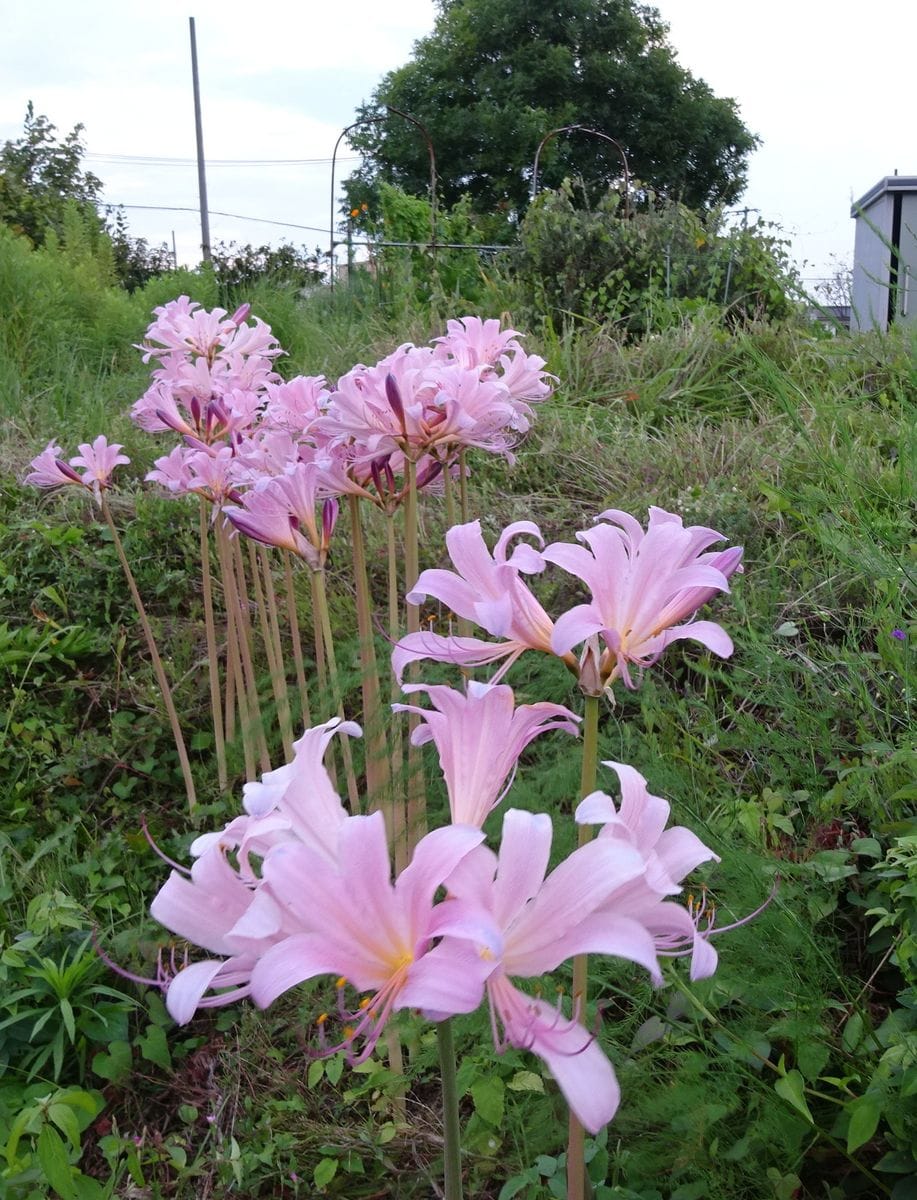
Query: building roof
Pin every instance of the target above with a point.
(891, 183)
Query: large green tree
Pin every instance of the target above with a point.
(495, 75)
(40, 174)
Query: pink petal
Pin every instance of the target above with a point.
(708, 633)
(298, 958)
(187, 988)
(448, 979)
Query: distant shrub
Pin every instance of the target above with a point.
(648, 269)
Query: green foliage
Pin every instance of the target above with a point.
(411, 274)
(41, 176)
(43, 1143)
(487, 100)
(54, 1007)
(237, 268)
(656, 268)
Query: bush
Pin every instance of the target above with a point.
(649, 269)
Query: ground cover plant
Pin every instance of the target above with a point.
(789, 1072)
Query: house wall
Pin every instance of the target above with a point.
(871, 259)
(907, 308)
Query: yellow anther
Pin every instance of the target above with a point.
(341, 982)
(321, 1018)
(486, 953)
(349, 1031)
(365, 1002)
(690, 900)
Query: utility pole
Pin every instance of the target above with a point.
(199, 132)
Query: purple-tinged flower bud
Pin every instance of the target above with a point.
(241, 314)
(194, 407)
(67, 470)
(393, 395)
(330, 510)
(375, 469)
(428, 474)
(899, 635)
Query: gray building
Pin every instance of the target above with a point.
(885, 254)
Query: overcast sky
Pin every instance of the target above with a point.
(826, 84)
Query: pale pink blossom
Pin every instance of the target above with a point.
(487, 589)
(296, 888)
(282, 512)
(670, 854)
(543, 922)
(473, 342)
(642, 585)
(378, 935)
(50, 470)
(97, 459)
(171, 471)
(479, 735)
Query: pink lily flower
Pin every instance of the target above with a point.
(98, 460)
(642, 584)
(479, 736)
(283, 513)
(213, 907)
(670, 854)
(229, 910)
(471, 342)
(375, 934)
(544, 921)
(486, 589)
(49, 470)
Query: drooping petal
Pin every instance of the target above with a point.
(577, 1062)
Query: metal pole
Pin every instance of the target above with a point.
(592, 133)
(174, 252)
(199, 133)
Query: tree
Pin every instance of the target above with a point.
(496, 75)
(40, 174)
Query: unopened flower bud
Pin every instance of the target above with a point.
(590, 672)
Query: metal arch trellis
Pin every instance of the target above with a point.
(592, 133)
(389, 111)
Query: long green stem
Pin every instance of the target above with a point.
(270, 595)
(417, 798)
(293, 619)
(452, 1134)
(449, 495)
(377, 764)
(213, 660)
(576, 1137)
(398, 808)
(463, 487)
(274, 666)
(158, 668)
(244, 628)
(323, 618)
(236, 691)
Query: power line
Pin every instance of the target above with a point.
(152, 160)
(214, 212)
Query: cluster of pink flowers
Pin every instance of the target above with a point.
(643, 585)
(265, 451)
(295, 888)
(98, 460)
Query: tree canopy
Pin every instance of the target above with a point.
(495, 76)
(40, 174)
